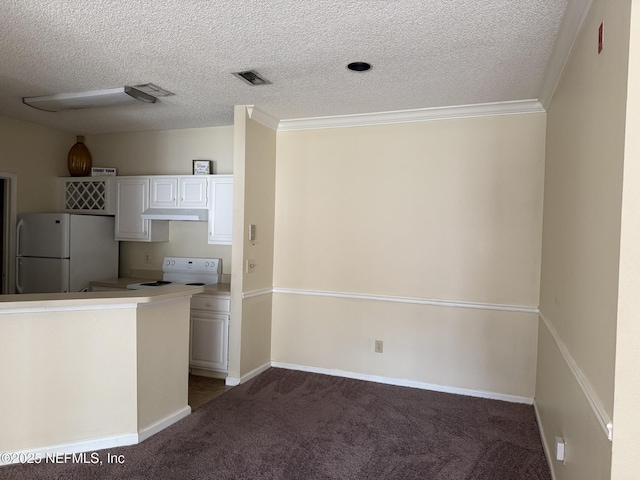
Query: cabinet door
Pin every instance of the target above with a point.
(208, 346)
(132, 198)
(221, 210)
(193, 192)
(164, 192)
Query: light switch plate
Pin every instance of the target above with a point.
(250, 266)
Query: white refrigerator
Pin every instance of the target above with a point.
(63, 252)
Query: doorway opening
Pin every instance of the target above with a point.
(8, 218)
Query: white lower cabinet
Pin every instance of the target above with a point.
(209, 339)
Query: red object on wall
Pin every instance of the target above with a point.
(600, 35)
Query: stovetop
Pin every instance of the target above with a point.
(186, 271)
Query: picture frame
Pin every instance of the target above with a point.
(202, 167)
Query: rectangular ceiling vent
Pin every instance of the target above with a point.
(252, 77)
(153, 90)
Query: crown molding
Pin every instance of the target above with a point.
(417, 115)
(572, 21)
(262, 117)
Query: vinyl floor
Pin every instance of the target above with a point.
(204, 389)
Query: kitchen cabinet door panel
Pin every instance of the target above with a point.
(221, 210)
(193, 192)
(164, 192)
(132, 198)
(209, 341)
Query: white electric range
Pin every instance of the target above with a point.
(185, 271)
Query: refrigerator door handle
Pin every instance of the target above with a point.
(18, 230)
(18, 286)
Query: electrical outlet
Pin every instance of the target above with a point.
(560, 449)
(147, 257)
(378, 346)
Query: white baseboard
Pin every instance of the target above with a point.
(41, 453)
(548, 453)
(255, 372)
(94, 444)
(232, 381)
(200, 372)
(164, 423)
(235, 381)
(406, 383)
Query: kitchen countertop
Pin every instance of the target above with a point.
(47, 301)
(222, 289)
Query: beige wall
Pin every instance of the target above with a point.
(444, 210)
(565, 412)
(259, 210)
(581, 234)
(164, 152)
(72, 377)
(626, 414)
(37, 155)
(167, 152)
(254, 203)
(259, 203)
(163, 360)
(479, 350)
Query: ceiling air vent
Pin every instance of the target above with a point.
(153, 90)
(252, 77)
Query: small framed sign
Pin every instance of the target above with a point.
(103, 172)
(202, 167)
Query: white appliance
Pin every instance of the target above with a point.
(63, 252)
(186, 271)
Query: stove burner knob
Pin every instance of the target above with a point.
(207, 264)
(168, 262)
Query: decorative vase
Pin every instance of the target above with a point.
(79, 159)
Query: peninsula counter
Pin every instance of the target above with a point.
(92, 370)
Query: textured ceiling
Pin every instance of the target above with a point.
(425, 53)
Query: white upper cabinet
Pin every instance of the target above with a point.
(164, 192)
(179, 192)
(132, 198)
(221, 210)
(193, 192)
(127, 197)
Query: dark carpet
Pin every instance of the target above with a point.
(293, 425)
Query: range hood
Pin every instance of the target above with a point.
(188, 214)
